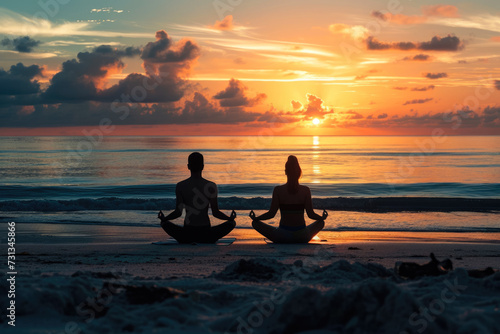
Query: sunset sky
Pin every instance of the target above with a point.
(200, 67)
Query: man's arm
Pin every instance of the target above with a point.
(214, 204)
(179, 205)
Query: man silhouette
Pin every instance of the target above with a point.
(196, 194)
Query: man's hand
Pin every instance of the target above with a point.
(252, 215)
(325, 215)
(161, 216)
(233, 215)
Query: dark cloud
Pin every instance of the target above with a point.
(423, 89)
(196, 110)
(19, 80)
(419, 57)
(491, 117)
(146, 88)
(129, 51)
(165, 63)
(234, 95)
(448, 43)
(382, 116)
(373, 44)
(80, 78)
(201, 110)
(418, 101)
(379, 15)
(497, 84)
(436, 75)
(416, 89)
(164, 51)
(276, 117)
(23, 44)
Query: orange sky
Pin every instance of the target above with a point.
(384, 68)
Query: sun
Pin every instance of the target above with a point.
(315, 121)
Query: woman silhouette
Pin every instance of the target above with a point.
(292, 199)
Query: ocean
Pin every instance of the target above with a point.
(396, 183)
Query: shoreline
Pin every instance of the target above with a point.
(73, 278)
(67, 248)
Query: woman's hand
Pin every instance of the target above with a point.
(233, 215)
(161, 216)
(252, 215)
(324, 215)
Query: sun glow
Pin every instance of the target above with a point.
(316, 121)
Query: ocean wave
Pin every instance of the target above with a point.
(375, 204)
(249, 190)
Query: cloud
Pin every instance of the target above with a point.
(313, 109)
(373, 44)
(234, 95)
(446, 11)
(448, 43)
(296, 104)
(239, 61)
(355, 32)
(495, 39)
(164, 51)
(12, 23)
(351, 114)
(382, 116)
(491, 117)
(419, 57)
(198, 110)
(416, 89)
(85, 78)
(225, 24)
(21, 44)
(418, 101)
(488, 118)
(441, 10)
(399, 18)
(436, 75)
(423, 89)
(497, 84)
(19, 80)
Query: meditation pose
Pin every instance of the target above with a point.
(196, 194)
(292, 199)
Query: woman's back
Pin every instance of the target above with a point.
(292, 205)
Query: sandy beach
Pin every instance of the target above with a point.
(100, 279)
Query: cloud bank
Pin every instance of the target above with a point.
(21, 44)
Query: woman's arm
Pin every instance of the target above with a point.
(309, 207)
(272, 211)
